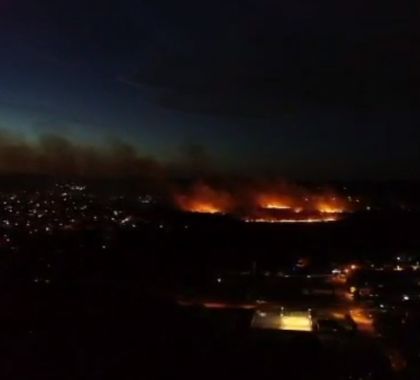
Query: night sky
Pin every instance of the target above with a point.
(297, 88)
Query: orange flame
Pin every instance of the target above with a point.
(331, 205)
(291, 220)
(204, 199)
(284, 204)
(274, 202)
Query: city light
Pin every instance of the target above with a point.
(295, 323)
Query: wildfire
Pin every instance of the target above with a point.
(205, 208)
(291, 221)
(333, 205)
(275, 205)
(274, 202)
(205, 200)
(330, 210)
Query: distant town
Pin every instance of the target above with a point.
(349, 286)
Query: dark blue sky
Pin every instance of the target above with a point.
(296, 88)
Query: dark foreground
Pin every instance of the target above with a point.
(85, 294)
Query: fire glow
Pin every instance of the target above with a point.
(275, 202)
(277, 206)
(204, 200)
(285, 204)
(292, 221)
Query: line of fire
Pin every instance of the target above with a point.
(270, 204)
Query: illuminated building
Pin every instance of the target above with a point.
(279, 319)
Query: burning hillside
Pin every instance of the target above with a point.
(265, 203)
(204, 199)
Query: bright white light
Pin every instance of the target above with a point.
(406, 298)
(126, 220)
(295, 323)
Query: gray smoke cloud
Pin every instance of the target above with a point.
(53, 154)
